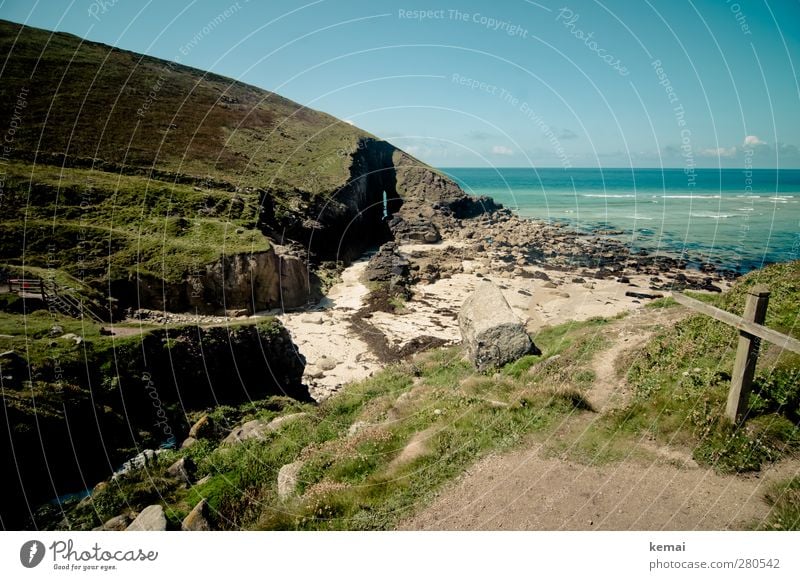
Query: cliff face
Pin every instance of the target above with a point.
(247, 282)
(101, 402)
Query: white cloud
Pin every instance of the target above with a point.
(752, 141)
(719, 152)
(502, 150)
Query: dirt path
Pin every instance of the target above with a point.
(653, 488)
(526, 491)
(627, 335)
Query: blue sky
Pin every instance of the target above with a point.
(579, 83)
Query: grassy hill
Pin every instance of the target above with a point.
(95, 104)
(146, 179)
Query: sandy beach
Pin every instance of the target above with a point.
(337, 352)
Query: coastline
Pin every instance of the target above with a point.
(549, 274)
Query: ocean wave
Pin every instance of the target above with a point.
(767, 196)
(637, 217)
(715, 216)
(689, 196)
(608, 195)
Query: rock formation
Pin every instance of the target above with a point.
(491, 332)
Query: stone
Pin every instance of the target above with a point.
(203, 427)
(255, 429)
(287, 479)
(313, 372)
(357, 428)
(188, 442)
(139, 461)
(491, 332)
(549, 285)
(258, 429)
(197, 520)
(151, 519)
(326, 363)
(116, 524)
(183, 470)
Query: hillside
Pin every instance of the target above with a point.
(605, 429)
(168, 187)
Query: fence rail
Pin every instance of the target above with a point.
(751, 330)
(60, 299)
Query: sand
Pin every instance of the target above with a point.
(336, 354)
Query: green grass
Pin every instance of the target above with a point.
(784, 500)
(681, 380)
(123, 225)
(356, 478)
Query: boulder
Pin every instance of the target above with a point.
(255, 429)
(183, 470)
(202, 428)
(197, 520)
(287, 479)
(491, 332)
(258, 429)
(116, 524)
(326, 363)
(151, 519)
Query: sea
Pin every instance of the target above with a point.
(736, 219)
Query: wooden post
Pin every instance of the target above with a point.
(744, 367)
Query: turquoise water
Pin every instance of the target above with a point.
(737, 219)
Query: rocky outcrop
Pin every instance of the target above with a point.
(100, 418)
(258, 429)
(276, 278)
(389, 267)
(197, 520)
(151, 519)
(492, 333)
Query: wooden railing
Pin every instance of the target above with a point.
(55, 297)
(27, 285)
(751, 330)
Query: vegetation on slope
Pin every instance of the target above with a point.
(370, 454)
(382, 448)
(682, 379)
(113, 108)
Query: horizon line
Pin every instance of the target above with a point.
(627, 167)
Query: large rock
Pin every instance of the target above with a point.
(151, 519)
(197, 520)
(491, 332)
(116, 524)
(288, 479)
(183, 470)
(204, 427)
(258, 429)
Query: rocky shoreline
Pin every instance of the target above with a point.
(502, 236)
(405, 297)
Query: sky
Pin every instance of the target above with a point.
(567, 83)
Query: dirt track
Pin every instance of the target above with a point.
(653, 488)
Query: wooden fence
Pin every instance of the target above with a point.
(751, 330)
